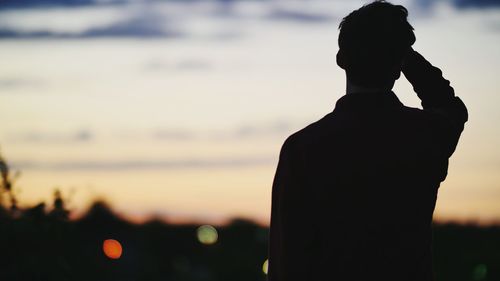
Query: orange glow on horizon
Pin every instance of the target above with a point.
(112, 248)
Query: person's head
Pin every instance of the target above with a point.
(373, 42)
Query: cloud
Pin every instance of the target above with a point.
(29, 4)
(144, 19)
(11, 33)
(459, 4)
(476, 3)
(17, 83)
(299, 16)
(273, 129)
(494, 26)
(79, 136)
(145, 164)
(277, 128)
(180, 65)
(135, 27)
(174, 134)
(192, 64)
(144, 27)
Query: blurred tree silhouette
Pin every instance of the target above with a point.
(6, 187)
(42, 243)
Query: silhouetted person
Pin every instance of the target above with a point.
(354, 192)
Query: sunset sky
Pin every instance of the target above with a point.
(178, 109)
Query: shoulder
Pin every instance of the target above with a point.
(306, 136)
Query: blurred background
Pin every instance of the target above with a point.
(172, 113)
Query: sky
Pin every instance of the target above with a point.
(178, 109)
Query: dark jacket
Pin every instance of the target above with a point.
(354, 192)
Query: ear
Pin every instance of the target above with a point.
(341, 59)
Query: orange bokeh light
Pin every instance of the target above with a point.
(112, 248)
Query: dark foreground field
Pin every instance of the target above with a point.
(41, 244)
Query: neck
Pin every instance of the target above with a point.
(353, 88)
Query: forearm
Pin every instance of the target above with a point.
(427, 81)
(433, 89)
(448, 112)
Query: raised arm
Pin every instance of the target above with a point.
(438, 97)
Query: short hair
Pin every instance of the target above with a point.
(373, 40)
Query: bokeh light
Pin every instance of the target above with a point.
(112, 248)
(207, 234)
(480, 272)
(265, 266)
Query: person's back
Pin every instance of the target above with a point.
(354, 193)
